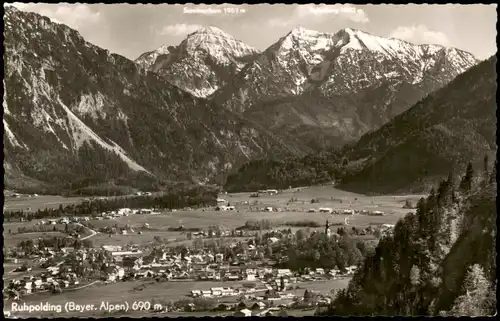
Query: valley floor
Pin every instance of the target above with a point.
(293, 206)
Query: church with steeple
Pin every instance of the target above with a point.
(327, 229)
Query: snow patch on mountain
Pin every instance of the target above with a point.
(11, 137)
(82, 133)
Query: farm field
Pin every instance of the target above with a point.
(39, 202)
(134, 238)
(295, 211)
(323, 287)
(246, 210)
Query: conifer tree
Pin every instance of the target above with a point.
(485, 165)
(493, 175)
(477, 299)
(466, 183)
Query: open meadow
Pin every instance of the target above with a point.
(38, 202)
(14, 239)
(247, 208)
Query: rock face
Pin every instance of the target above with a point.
(76, 115)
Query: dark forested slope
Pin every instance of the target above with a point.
(441, 260)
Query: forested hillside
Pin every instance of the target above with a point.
(439, 261)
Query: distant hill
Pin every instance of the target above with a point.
(442, 132)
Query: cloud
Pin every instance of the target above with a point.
(420, 34)
(18, 5)
(180, 29)
(73, 15)
(303, 13)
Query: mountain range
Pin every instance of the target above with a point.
(441, 134)
(326, 89)
(76, 115)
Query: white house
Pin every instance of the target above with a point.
(112, 248)
(219, 257)
(273, 239)
(320, 271)
(195, 293)
(243, 313)
(326, 210)
(251, 276)
(283, 272)
(225, 208)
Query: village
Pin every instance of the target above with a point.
(245, 268)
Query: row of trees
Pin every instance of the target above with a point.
(56, 242)
(317, 250)
(193, 197)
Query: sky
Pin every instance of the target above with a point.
(132, 29)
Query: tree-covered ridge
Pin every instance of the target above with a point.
(262, 174)
(410, 153)
(439, 261)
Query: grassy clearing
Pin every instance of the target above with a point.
(13, 240)
(327, 195)
(323, 287)
(134, 238)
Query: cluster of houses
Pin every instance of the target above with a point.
(139, 193)
(19, 195)
(272, 280)
(64, 220)
(329, 210)
(125, 212)
(55, 278)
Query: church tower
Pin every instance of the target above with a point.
(327, 229)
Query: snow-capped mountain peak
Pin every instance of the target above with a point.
(303, 32)
(202, 62)
(216, 42)
(211, 30)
